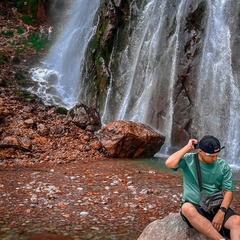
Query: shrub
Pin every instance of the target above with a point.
(20, 30)
(38, 43)
(8, 33)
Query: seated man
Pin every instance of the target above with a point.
(223, 222)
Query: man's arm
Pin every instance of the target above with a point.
(228, 196)
(173, 160)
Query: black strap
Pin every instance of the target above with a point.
(198, 172)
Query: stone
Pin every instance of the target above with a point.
(42, 129)
(126, 139)
(95, 145)
(29, 123)
(25, 142)
(83, 116)
(171, 227)
(11, 141)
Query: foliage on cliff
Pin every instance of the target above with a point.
(24, 38)
(110, 35)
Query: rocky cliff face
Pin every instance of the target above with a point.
(111, 38)
(114, 29)
(185, 87)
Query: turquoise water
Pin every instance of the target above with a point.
(159, 163)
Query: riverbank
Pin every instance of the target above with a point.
(57, 185)
(89, 199)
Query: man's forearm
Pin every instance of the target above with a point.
(228, 196)
(173, 160)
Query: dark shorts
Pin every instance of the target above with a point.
(224, 232)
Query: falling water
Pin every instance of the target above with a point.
(217, 103)
(147, 70)
(57, 80)
(138, 68)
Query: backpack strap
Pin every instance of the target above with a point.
(198, 171)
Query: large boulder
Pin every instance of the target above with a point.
(171, 227)
(126, 139)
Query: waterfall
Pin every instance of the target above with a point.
(217, 103)
(57, 80)
(143, 76)
(147, 74)
(138, 66)
(148, 68)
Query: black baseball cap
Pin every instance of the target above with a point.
(210, 144)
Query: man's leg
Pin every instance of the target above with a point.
(199, 222)
(233, 224)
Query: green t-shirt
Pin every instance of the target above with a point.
(215, 177)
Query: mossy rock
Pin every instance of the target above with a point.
(62, 110)
(16, 60)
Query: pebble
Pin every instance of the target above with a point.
(84, 214)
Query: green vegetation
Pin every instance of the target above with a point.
(27, 7)
(19, 3)
(26, 95)
(62, 110)
(8, 33)
(94, 43)
(38, 43)
(3, 59)
(27, 20)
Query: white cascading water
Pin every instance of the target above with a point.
(143, 75)
(217, 109)
(148, 65)
(147, 70)
(57, 80)
(145, 67)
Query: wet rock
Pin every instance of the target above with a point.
(171, 227)
(131, 140)
(86, 117)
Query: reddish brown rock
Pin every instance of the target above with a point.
(11, 140)
(95, 145)
(131, 140)
(29, 123)
(86, 117)
(25, 142)
(42, 130)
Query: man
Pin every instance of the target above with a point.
(216, 176)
